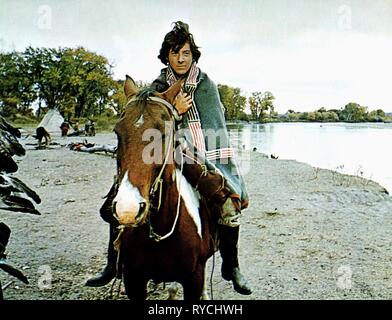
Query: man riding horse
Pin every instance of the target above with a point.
(201, 110)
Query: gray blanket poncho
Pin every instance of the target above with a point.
(207, 124)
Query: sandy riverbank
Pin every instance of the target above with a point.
(308, 234)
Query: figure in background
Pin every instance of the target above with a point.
(42, 134)
(64, 128)
(89, 128)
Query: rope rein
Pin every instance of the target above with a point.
(158, 180)
(153, 234)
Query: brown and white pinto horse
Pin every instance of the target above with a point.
(166, 229)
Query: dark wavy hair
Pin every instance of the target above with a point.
(175, 40)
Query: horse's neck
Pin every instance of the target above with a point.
(163, 219)
(170, 190)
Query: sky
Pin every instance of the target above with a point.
(308, 53)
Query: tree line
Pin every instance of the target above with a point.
(79, 83)
(352, 112)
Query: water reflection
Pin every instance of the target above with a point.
(358, 149)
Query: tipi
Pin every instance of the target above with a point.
(52, 121)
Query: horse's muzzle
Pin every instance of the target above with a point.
(132, 219)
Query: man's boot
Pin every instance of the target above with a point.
(228, 240)
(110, 270)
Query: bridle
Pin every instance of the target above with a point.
(156, 187)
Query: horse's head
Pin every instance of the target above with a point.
(145, 136)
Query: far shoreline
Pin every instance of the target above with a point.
(316, 168)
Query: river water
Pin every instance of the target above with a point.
(362, 149)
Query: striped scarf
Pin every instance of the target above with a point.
(193, 117)
(190, 86)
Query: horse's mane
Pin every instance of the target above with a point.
(144, 94)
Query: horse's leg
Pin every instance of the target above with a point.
(135, 286)
(193, 284)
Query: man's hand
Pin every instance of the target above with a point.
(183, 102)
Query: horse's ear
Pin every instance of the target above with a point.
(130, 88)
(171, 93)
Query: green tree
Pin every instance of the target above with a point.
(353, 112)
(16, 88)
(332, 116)
(376, 115)
(267, 103)
(259, 104)
(232, 100)
(380, 113)
(304, 116)
(255, 105)
(293, 116)
(44, 70)
(118, 99)
(88, 81)
(319, 116)
(75, 81)
(311, 116)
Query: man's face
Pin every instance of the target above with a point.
(182, 60)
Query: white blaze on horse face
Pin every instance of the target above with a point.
(191, 199)
(127, 201)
